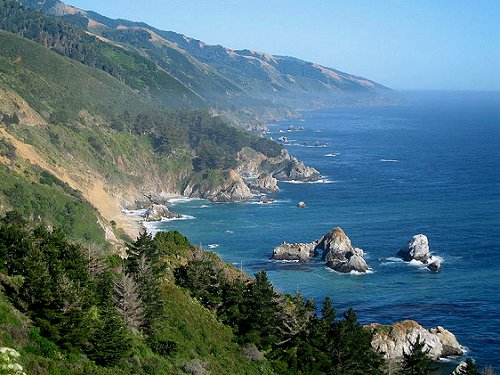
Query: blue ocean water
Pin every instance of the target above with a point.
(431, 166)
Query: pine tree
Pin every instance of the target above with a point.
(470, 368)
(127, 302)
(417, 361)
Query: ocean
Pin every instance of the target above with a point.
(430, 166)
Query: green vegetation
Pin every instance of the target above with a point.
(48, 200)
(417, 361)
(138, 72)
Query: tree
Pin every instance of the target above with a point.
(417, 361)
(469, 368)
(128, 302)
(351, 350)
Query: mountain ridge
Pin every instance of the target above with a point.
(242, 84)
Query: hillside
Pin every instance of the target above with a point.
(244, 84)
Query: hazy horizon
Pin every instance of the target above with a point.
(450, 45)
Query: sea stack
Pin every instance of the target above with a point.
(339, 253)
(418, 249)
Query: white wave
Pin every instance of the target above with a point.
(307, 146)
(229, 231)
(183, 200)
(354, 273)
(183, 217)
(331, 155)
(153, 227)
(204, 206)
(270, 202)
(213, 246)
(322, 181)
(389, 160)
(140, 212)
(285, 260)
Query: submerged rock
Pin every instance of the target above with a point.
(158, 212)
(266, 199)
(339, 253)
(301, 252)
(435, 266)
(395, 340)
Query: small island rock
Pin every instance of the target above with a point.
(301, 252)
(301, 205)
(339, 253)
(417, 248)
(435, 266)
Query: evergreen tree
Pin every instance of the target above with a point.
(128, 302)
(417, 361)
(260, 310)
(351, 350)
(470, 368)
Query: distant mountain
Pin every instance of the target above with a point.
(236, 81)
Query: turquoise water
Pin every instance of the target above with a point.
(430, 167)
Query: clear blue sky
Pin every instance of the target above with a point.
(406, 44)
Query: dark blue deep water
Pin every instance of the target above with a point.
(432, 167)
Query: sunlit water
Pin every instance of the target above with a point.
(430, 167)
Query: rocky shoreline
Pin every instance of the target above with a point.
(397, 339)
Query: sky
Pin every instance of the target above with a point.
(405, 44)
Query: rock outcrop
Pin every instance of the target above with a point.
(448, 341)
(395, 340)
(249, 162)
(418, 249)
(339, 253)
(301, 252)
(158, 212)
(288, 168)
(267, 183)
(230, 189)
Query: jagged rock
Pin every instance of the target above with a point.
(157, 212)
(301, 205)
(296, 251)
(339, 253)
(392, 341)
(232, 188)
(417, 248)
(249, 162)
(460, 367)
(435, 266)
(449, 342)
(266, 183)
(287, 168)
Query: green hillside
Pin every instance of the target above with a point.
(136, 71)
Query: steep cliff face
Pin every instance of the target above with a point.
(226, 186)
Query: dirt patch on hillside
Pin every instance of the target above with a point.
(93, 191)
